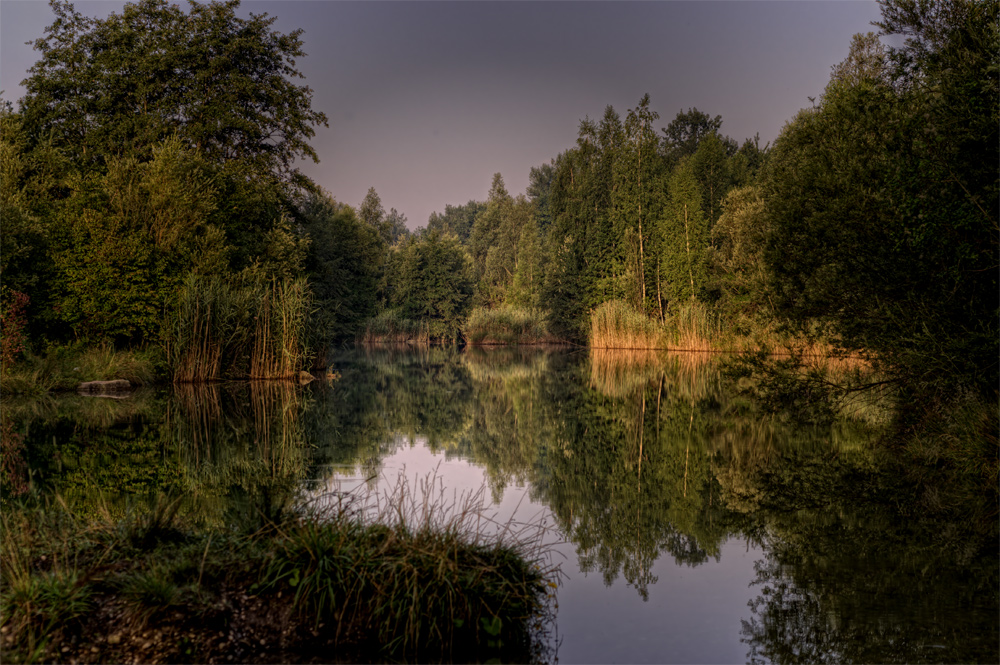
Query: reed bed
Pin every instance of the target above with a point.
(694, 327)
(390, 327)
(507, 326)
(221, 329)
(617, 325)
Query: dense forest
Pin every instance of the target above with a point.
(151, 204)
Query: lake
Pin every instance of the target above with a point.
(689, 524)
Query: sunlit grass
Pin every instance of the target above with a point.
(616, 325)
(506, 325)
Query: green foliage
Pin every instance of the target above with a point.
(224, 84)
(739, 277)
(432, 282)
(882, 209)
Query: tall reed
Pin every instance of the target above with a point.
(693, 326)
(279, 349)
(616, 325)
(248, 330)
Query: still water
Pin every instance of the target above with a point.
(689, 525)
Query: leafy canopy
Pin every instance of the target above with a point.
(224, 84)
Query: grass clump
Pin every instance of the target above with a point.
(418, 576)
(412, 580)
(238, 329)
(64, 368)
(617, 325)
(507, 325)
(390, 327)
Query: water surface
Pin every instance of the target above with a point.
(689, 525)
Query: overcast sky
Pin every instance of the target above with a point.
(426, 100)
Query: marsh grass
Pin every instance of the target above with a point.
(390, 327)
(507, 326)
(409, 576)
(221, 329)
(64, 368)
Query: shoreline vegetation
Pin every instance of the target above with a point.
(167, 236)
(409, 577)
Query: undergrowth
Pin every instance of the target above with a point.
(507, 325)
(415, 579)
(65, 367)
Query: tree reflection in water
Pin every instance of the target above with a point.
(637, 455)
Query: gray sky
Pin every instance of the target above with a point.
(427, 100)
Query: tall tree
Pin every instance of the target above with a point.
(223, 84)
(343, 264)
(395, 222)
(684, 238)
(456, 219)
(682, 136)
(539, 192)
(711, 166)
(883, 201)
(636, 199)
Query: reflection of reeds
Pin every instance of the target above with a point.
(276, 407)
(244, 435)
(512, 363)
(619, 373)
(201, 405)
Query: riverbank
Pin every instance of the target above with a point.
(315, 586)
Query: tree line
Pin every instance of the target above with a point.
(151, 167)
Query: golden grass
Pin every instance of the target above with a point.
(617, 325)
